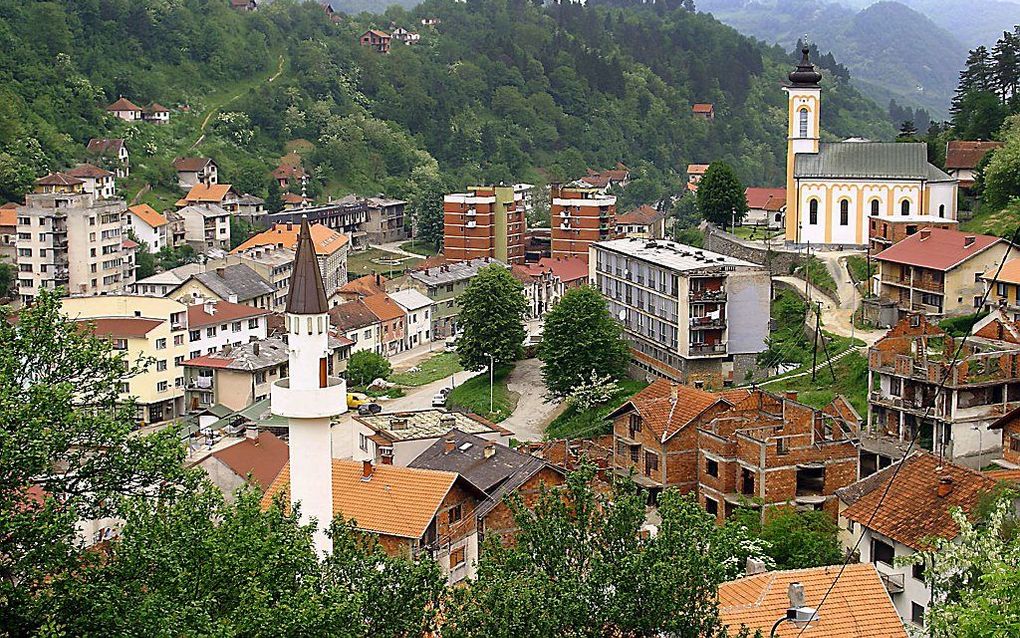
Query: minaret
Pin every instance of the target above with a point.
(804, 102)
(309, 397)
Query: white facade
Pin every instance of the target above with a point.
(153, 236)
(206, 226)
(206, 338)
(418, 309)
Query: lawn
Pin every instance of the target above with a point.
(814, 270)
(754, 233)
(473, 396)
(851, 381)
(436, 367)
(364, 262)
(995, 222)
(581, 424)
(418, 248)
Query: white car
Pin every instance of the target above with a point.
(439, 400)
(450, 344)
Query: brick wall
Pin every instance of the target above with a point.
(499, 522)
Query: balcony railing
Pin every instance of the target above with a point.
(894, 583)
(707, 323)
(703, 349)
(708, 295)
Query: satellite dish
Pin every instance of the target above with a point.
(623, 315)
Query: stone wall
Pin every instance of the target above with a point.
(777, 260)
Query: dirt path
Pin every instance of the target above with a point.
(533, 412)
(215, 109)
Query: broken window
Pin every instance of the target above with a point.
(810, 480)
(882, 552)
(747, 482)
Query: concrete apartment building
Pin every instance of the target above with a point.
(272, 262)
(443, 284)
(206, 227)
(347, 215)
(331, 249)
(580, 216)
(905, 370)
(70, 239)
(937, 272)
(690, 315)
(418, 309)
(387, 221)
(486, 221)
(149, 327)
(214, 325)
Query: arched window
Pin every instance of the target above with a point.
(844, 212)
(874, 208)
(942, 210)
(813, 212)
(905, 207)
(803, 122)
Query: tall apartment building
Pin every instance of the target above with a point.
(689, 314)
(68, 238)
(486, 221)
(580, 216)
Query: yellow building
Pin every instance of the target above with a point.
(149, 329)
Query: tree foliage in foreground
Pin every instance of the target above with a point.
(795, 540)
(721, 195)
(492, 311)
(579, 339)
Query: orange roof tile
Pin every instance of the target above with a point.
(697, 169)
(364, 286)
(148, 215)
(1010, 272)
(858, 607)
(661, 413)
(703, 108)
(207, 193)
(1010, 476)
(395, 501)
(263, 458)
(759, 197)
(327, 241)
(384, 307)
(88, 170)
(912, 511)
(8, 216)
(123, 104)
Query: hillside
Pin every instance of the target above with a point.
(973, 22)
(496, 92)
(891, 50)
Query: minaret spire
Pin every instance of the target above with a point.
(307, 292)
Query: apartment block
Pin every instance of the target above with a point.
(580, 216)
(273, 263)
(443, 284)
(905, 371)
(486, 221)
(690, 315)
(68, 238)
(387, 221)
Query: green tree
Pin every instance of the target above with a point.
(274, 197)
(145, 261)
(492, 312)
(69, 450)
(579, 567)
(1001, 175)
(796, 540)
(366, 366)
(579, 338)
(7, 278)
(685, 212)
(425, 203)
(721, 195)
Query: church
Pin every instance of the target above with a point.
(855, 194)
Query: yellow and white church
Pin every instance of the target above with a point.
(855, 193)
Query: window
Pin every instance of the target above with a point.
(917, 614)
(455, 513)
(844, 212)
(651, 463)
(194, 335)
(161, 343)
(810, 481)
(712, 467)
(882, 552)
(942, 210)
(457, 557)
(849, 526)
(260, 376)
(162, 386)
(874, 208)
(178, 340)
(803, 122)
(917, 571)
(813, 212)
(235, 326)
(780, 447)
(363, 442)
(120, 344)
(253, 323)
(210, 331)
(161, 365)
(194, 353)
(1000, 289)
(179, 360)
(905, 207)
(634, 424)
(711, 506)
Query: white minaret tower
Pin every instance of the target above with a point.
(804, 96)
(309, 397)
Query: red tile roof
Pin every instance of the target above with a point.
(1010, 476)
(200, 193)
(642, 215)
(758, 197)
(191, 164)
(263, 458)
(703, 108)
(364, 286)
(383, 307)
(8, 216)
(936, 248)
(663, 415)
(697, 169)
(912, 510)
(124, 328)
(129, 244)
(209, 361)
(966, 154)
(123, 104)
(327, 241)
(223, 312)
(568, 269)
(88, 170)
(58, 179)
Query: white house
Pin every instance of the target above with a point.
(354, 320)
(206, 226)
(215, 324)
(147, 225)
(196, 170)
(112, 150)
(125, 109)
(98, 182)
(418, 308)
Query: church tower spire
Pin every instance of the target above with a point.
(309, 397)
(804, 93)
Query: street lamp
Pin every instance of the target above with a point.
(800, 615)
(491, 366)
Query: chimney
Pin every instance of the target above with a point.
(945, 486)
(754, 566)
(219, 271)
(378, 279)
(255, 348)
(449, 445)
(252, 432)
(366, 470)
(796, 593)
(791, 395)
(969, 241)
(209, 306)
(290, 226)
(674, 392)
(925, 233)
(490, 450)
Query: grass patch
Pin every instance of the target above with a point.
(363, 262)
(815, 272)
(858, 267)
(473, 396)
(583, 424)
(418, 248)
(754, 233)
(691, 237)
(851, 381)
(432, 369)
(993, 222)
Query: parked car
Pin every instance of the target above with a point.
(368, 409)
(439, 398)
(450, 345)
(357, 399)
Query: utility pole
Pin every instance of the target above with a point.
(825, 346)
(807, 276)
(814, 349)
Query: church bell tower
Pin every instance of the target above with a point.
(804, 93)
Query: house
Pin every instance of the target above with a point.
(156, 113)
(244, 5)
(643, 221)
(765, 206)
(694, 174)
(571, 271)
(222, 195)
(418, 309)
(1002, 287)
(854, 193)
(214, 324)
(355, 321)
(346, 216)
(290, 171)
(129, 249)
(113, 152)
(236, 284)
(293, 201)
(8, 233)
(195, 170)
(603, 181)
(410, 512)
(443, 284)
(937, 272)
(856, 603)
(148, 226)
(376, 39)
(1009, 426)
(580, 216)
(495, 470)
(60, 184)
(886, 524)
(358, 289)
(255, 459)
(485, 221)
(160, 284)
(704, 111)
(206, 227)
(125, 109)
(963, 158)
(688, 313)
(331, 249)
(96, 181)
(906, 369)
(387, 221)
(541, 289)
(430, 22)
(273, 263)
(250, 207)
(401, 34)
(327, 8)
(393, 320)
(398, 438)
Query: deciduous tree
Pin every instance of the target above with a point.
(492, 312)
(721, 195)
(366, 366)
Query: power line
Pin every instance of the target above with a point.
(917, 431)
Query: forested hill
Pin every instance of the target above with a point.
(497, 91)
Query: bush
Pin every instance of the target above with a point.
(961, 326)
(366, 366)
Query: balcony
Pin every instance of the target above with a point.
(893, 582)
(707, 349)
(925, 308)
(708, 323)
(706, 295)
